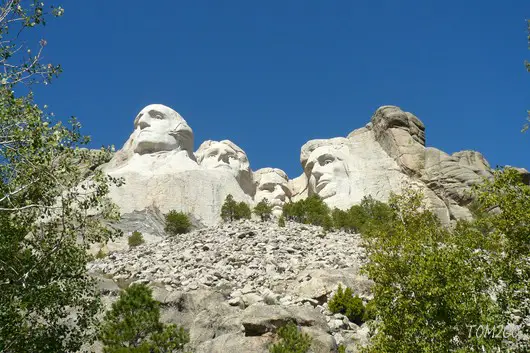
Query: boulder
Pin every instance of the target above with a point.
(259, 319)
(236, 343)
(402, 136)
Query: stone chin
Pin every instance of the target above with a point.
(326, 189)
(149, 142)
(277, 211)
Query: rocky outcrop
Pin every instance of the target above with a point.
(452, 177)
(161, 171)
(233, 285)
(402, 136)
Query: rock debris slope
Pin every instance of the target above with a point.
(233, 285)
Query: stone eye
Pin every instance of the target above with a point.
(328, 161)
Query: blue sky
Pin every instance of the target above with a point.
(272, 75)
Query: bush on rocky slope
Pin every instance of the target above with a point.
(312, 210)
(345, 303)
(177, 223)
(233, 211)
(463, 282)
(359, 218)
(263, 210)
(135, 239)
(133, 325)
(292, 340)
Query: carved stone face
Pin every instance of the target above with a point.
(222, 155)
(328, 170)
(160, 128)
(272, 185)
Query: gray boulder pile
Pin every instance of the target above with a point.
(233, 285)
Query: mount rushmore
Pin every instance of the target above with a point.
(161, 170)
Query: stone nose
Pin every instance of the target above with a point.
(142, 122)
(317, 172)
(278, 193)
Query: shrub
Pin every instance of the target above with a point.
(177, 223)
(133, 325)
(263, 210)
(292, 340)
(136, 239)
(345, 303)
(360, 218)
(232, 211)
(101, 254)
(229, 209)
(281, 221)
(369, 311)
(341, 349)
(243, 211)
(312, 210)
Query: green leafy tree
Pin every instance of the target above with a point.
(292, 340)
(47, 226)
(507, 226)
(233, 211)
(431, 283)
(177, 223)
(21, 62)
(133, 325)
(136, 239)
(312, 210)
(243, 211)
(345, 303)
(359, 218)
(281, 221)
(100, 254)
(263, 210)
(229, 209)
(48, 303)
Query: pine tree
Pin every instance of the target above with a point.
(263, 210)
(229, 209)
(133, 325)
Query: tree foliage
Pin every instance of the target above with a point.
(433, 284)
(311, 210)
(345, 303)
(233, 210)
(177, 223)
(22, 63)
(135, 239)
(133, 325)
(243, 211)
(360, 218)
(281, 221)
(263, 210)
(47, 223)
(292, 340)
(49, 212)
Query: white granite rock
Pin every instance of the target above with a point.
(160, 170)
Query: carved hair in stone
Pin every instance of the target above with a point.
(272, 184)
